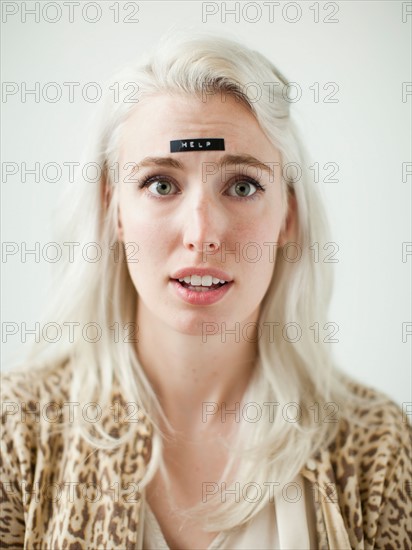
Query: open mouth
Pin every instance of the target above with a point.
(200, 288)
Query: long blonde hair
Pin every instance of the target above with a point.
(290, 370)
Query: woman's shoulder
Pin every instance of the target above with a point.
(30, 396)
(371, 413)
(29, 384)
(373, 439)
(39, 402)
(367, 468)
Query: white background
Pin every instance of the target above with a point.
(367, 133)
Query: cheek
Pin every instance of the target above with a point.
(258, 244)
(264, 228)
(145, 240)
(137, 223)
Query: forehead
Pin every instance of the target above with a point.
(160, 119)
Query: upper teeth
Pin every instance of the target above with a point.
(206, 280)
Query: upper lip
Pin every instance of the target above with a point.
(186, 271)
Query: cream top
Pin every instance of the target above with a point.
(286, 523)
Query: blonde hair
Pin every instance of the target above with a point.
(300, 372)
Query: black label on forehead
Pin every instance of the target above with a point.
(200, 144)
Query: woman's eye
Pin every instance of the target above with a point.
(243, 189)
(160, 187)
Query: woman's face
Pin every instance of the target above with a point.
(185, 207)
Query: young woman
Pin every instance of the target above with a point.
(189, 403)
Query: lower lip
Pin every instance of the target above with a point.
(201, 298)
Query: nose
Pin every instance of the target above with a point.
(204, 226)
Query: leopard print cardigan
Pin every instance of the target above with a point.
(59, 493)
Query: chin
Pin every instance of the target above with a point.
(200, 324)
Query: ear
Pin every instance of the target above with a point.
(288, 232)
(107, 194)
(120, 234)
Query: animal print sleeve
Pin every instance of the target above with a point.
(395, 515)
(14, 467)
(12, 525)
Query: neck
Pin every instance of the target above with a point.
(195, 380)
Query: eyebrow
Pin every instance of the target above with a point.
(227, 159)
